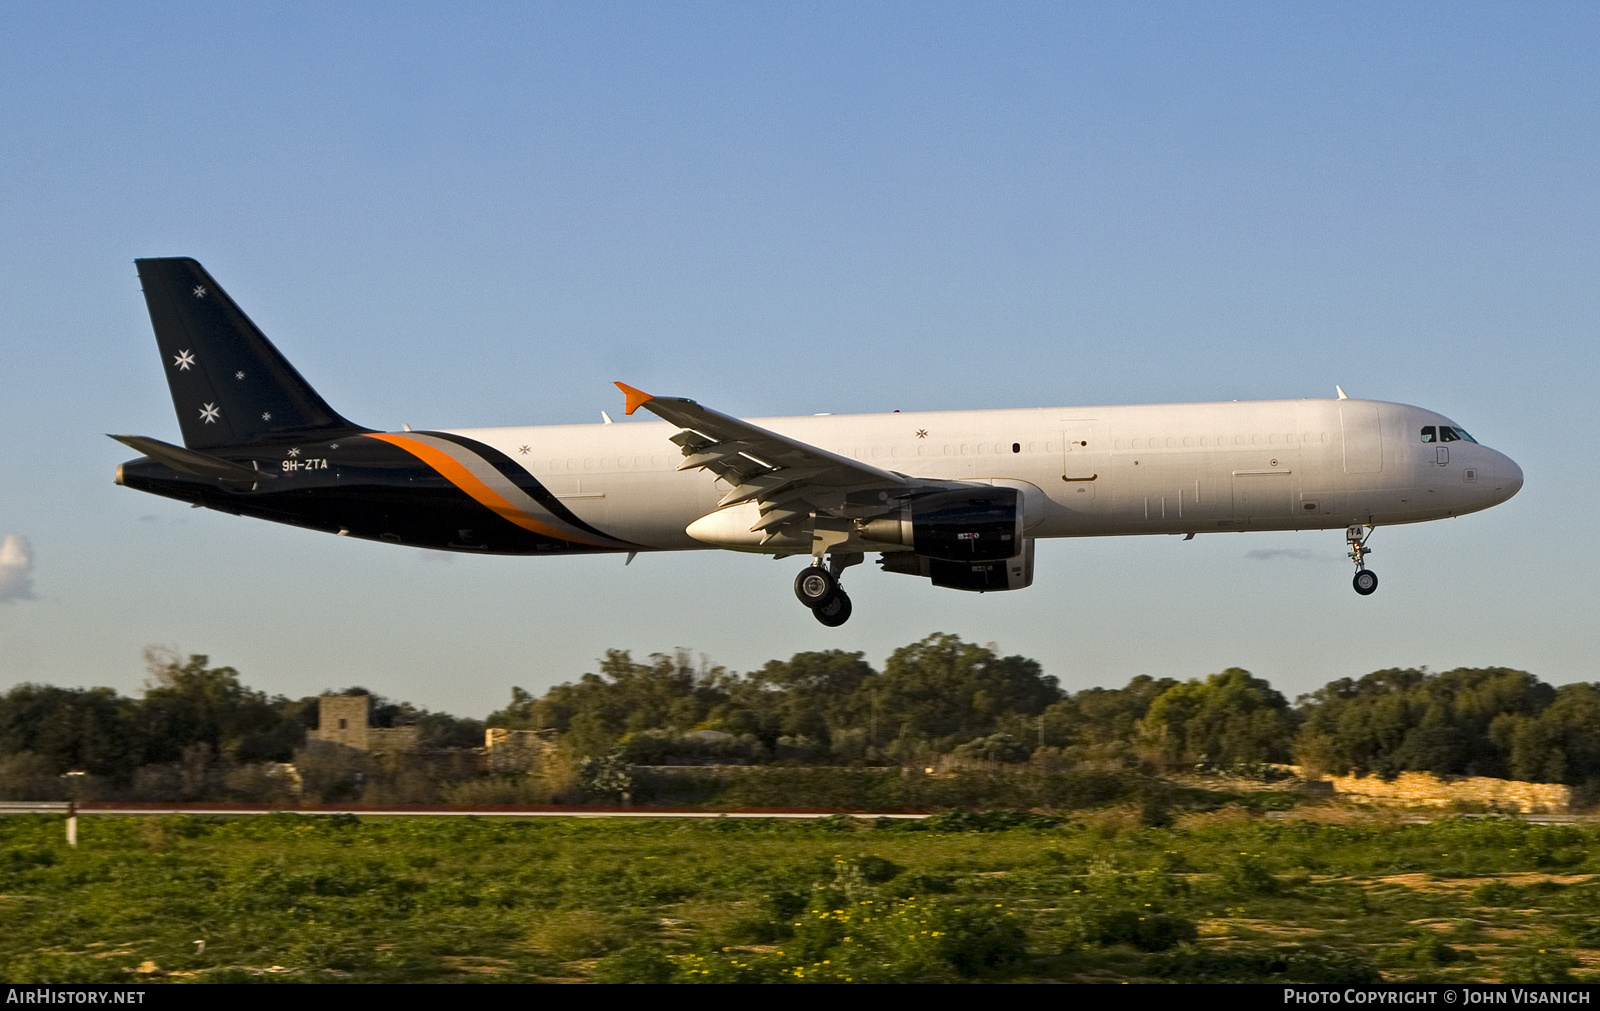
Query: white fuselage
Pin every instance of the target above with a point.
(1084, 471)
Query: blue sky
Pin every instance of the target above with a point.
(483, 214)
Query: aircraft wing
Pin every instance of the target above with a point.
(789, 479)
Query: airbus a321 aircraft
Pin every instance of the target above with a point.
(954, 497)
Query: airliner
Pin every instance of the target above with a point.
(958, 498)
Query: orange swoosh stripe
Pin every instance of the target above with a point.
(485, 496)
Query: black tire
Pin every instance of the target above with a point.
(815, 586)
(835, 612)
(1365, 582)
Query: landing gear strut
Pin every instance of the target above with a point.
(1365, 580)
(818, 588)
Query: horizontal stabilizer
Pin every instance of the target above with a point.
(191, 462)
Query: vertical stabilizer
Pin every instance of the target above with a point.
(230, 386)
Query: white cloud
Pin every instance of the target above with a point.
(16, 569)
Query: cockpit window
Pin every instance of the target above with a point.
(1429, 434)
(1447, 434)
(1461, 433)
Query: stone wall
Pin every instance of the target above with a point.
(516, 750)
(394, 739)
(1427, 790)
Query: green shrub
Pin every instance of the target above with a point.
(577, 933)
(987, 821)
(876, 941)
(1144, 929)
(994, 748)
(1285, 963)
(1496, 893)
(24, 857)
(1430, 949)
(837, 823)
(47, 967)
(333, 951)
(637, 963)
(1245, 874)
(754, 930)
(230, 974)
(1539, 965)
(922, 883)
(723, 967)
(1583, 934)
(1155, 812)
(854, 872)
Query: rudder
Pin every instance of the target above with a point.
(229, 385)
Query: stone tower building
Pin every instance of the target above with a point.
(342, 719)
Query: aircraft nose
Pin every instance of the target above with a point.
(1508, 478)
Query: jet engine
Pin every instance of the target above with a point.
(980, 525)
(963, 539)
(1012, 573)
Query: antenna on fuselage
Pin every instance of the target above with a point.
(1342, 394)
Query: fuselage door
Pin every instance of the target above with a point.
(1363, 439)
(1081, 460)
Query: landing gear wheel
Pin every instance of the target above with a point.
(1356, 537)
(815, 586)
(835, 612)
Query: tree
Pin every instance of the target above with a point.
(1466, 721)
(93, 730)
(941, 691)
(520, 714)
(668, 693)
(187, 702)
(1559, 745)
(1230, 719)
(816, 696)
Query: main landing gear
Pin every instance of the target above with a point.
(1365, 580)
(818, 588)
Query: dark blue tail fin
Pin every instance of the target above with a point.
(229, 384)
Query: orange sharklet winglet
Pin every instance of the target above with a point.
(636, 398)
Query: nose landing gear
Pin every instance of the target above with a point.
(818, 588)
(1365, 580)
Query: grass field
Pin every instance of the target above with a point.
(1314, 894)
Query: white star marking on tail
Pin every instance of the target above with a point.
(199, 291)
(266, 415)
(209, 413)
(183, 361)
(238, 375)
(294, 452)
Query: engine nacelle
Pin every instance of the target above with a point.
(1012, 573)
(977, 525)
